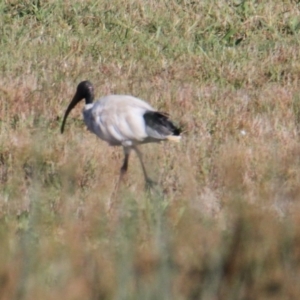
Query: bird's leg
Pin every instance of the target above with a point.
(122, 173)
(149, 182)
(124, 167)
(125, 163)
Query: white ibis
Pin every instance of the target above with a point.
(123, 120)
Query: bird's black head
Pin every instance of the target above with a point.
(85, 90)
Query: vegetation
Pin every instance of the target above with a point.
(222, 222)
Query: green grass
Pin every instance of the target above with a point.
(222, 222)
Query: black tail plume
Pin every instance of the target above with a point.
(160, 123)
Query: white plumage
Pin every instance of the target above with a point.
(123, 120)
(117, 119)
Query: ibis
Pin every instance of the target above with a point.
(123, 120)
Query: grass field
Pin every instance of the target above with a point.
(223, 220)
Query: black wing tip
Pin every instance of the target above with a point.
(161, 122)
(177, 131)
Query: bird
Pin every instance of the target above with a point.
(123, 120)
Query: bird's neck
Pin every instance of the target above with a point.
(89, 99)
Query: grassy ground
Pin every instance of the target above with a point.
(223, 221)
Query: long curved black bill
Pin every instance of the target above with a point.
(73, 103)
